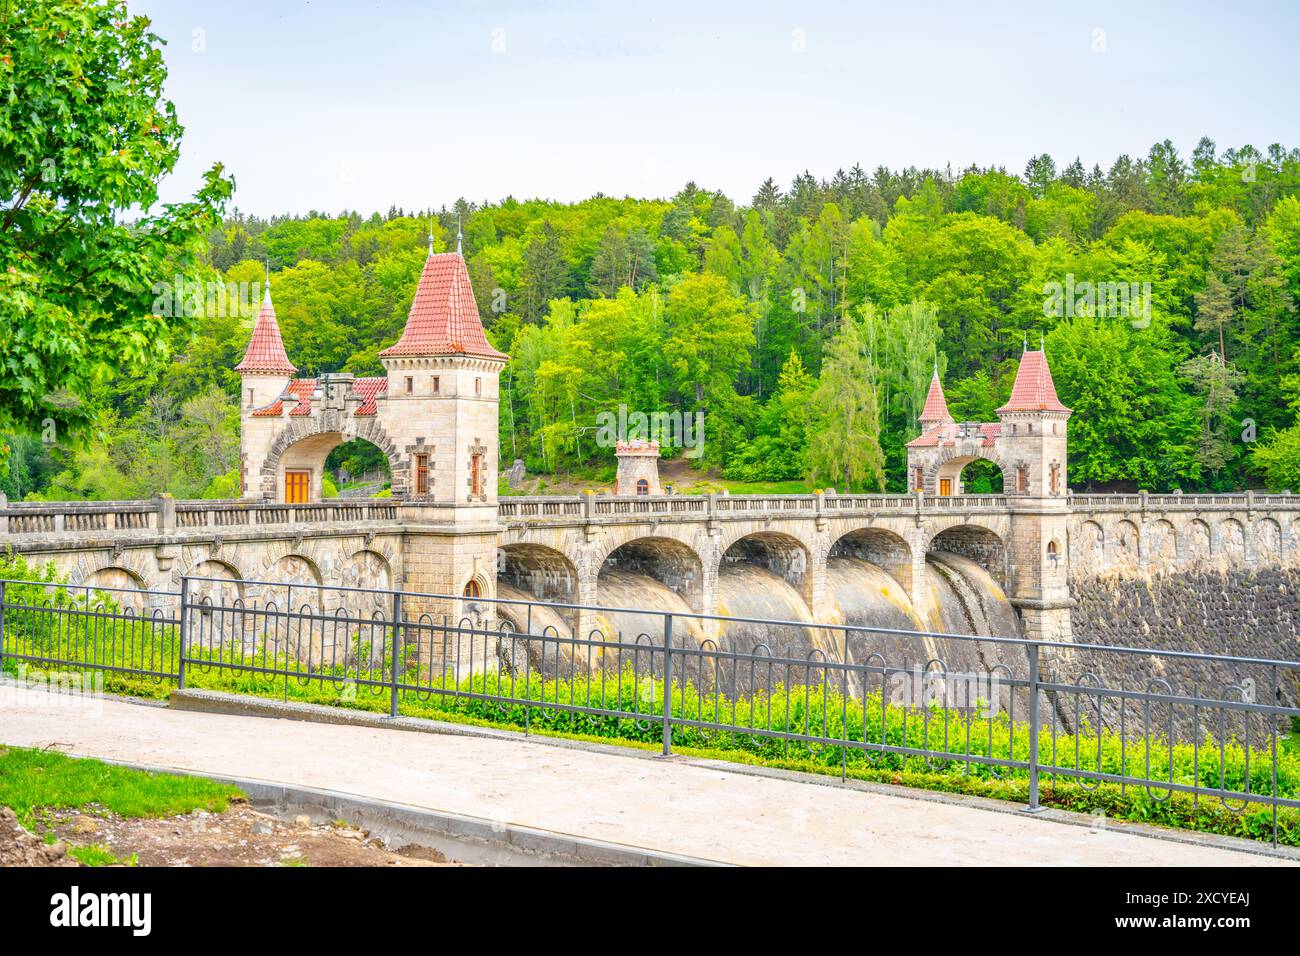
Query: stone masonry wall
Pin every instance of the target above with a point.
(1236, 611)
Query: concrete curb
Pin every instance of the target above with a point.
(476, 840)
(218, 702)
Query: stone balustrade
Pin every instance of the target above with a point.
(163, 514)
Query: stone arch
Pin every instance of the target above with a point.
(982, 545)
(1268, 541)
(292, 581)
(1124, 544)
(545, 573)
(949, 466)
(118, 583)
(1232, 541)
(670, 561)
(308, 441)
(1162, 542)
(218, 589)
(476, 585)
(1090, 547)
(368, 569)
(1196, 541)
(881, 547)
(220, 581)
(783, 554)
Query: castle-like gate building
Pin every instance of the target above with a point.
(433, 415)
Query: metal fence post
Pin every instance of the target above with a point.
(183, 624)
(397, 650)
(1033, 729)
(4, 599)
(668, 684)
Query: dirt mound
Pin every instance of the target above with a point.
(20, 848)
(239, 836)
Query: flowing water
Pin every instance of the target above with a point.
(956, 596)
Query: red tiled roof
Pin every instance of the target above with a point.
(301, 389)
(948, 433)
(1034, 390)
(936, 408)
(444, 316)
(369, 388)
(265, 348)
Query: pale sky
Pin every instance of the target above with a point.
(330, 104)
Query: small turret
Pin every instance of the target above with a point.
(936, 407)
(638, 468)
(265, 368)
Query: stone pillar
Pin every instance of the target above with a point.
(1039, 567)
(588, 594)
(815, 587)
(710, 564)
(447, 551)
(919, 542)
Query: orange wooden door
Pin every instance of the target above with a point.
(945, 486)
(296, 487)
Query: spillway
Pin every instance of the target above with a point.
(956, 596)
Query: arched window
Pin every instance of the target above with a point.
(473, 589)
(1051, 549)
(642, 486)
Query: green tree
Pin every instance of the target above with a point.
(846, 442)
(1132, 421)
(1215, 382)
(85, 137)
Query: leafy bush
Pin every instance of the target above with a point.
(225, 487)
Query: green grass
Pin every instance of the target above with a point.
(712, 485)
(95, 854)
(37, 780)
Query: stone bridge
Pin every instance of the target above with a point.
(1043, 552)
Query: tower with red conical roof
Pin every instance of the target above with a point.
(1032, 439)
(264, 374)
(443, 387)
(1032, 445)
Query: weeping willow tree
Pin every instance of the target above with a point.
(846, 405)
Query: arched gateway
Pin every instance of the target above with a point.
(1027, 443)
(433, 415)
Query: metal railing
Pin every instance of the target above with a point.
(1166, 722)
